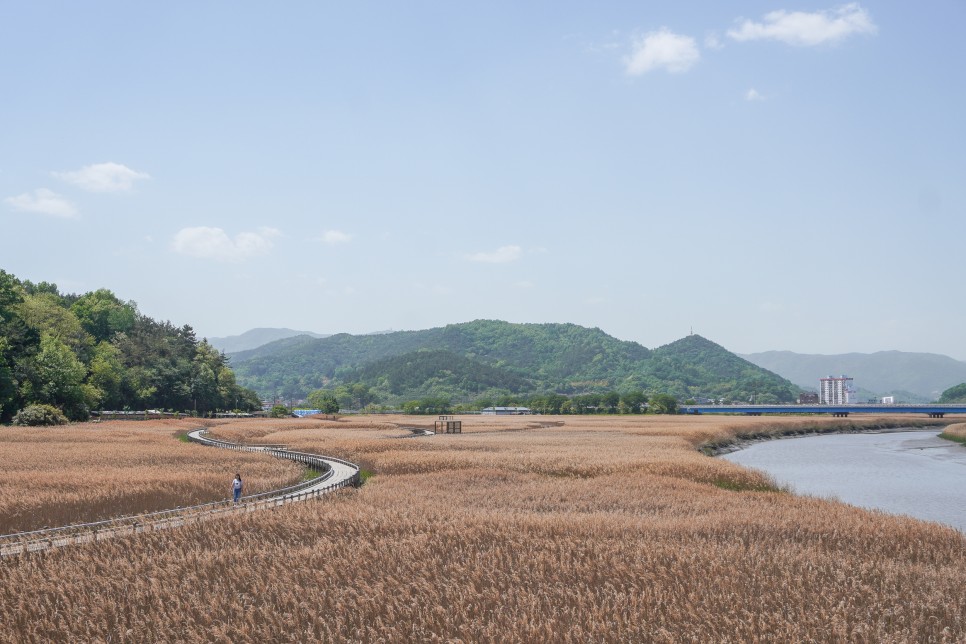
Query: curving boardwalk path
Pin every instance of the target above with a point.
(335, 474)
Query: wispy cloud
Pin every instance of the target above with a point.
(333, 237)
(754, 95)
(43, 201)
(807, 29)
(103, 177)
(662, 49)
(502, 255)
(214, 243)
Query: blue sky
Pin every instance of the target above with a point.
(774, 175)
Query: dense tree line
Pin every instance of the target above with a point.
(361, 398)
(92, 351)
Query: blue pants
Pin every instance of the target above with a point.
(237, 495)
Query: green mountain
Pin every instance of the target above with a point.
(489, 356)
(254, 338)
(414, 375)
(899, 373)
(703, 366)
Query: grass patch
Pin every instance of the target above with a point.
(954, 438)
(365, 475)
(183, 437)
(744, 486)
(311, 473)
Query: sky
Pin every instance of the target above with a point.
(771, 175)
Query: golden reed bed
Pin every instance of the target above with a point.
(520, 529)
(57, 476)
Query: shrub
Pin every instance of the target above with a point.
(39, 415)
(279, 411)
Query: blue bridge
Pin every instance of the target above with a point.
(933, 411)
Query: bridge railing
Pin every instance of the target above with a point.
(932, 410)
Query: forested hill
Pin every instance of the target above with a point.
(77, 353)
(527, 358)
(723, 374)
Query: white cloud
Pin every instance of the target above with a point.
(807, 29)
(333, 237)
(713, 41)
(103, 177)
(501, 255)
(754, 95)
(44, 201)
(214, 243)
(662, 49)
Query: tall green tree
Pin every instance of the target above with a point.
(58, 380)
(663, 404)
(207, 366)
(632, 402)
(8, 386)
(45, 313)
(11, 328)
(324, 401)
(103, 315)
(609, 402)
(107, 374)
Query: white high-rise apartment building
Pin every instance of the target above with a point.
(837, 391)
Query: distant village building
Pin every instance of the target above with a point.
(506, 411)
(837, 391)
(888, 400)
(808, 398)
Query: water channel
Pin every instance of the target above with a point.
(915, 473)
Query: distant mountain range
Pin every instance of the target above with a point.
(911, 377)
(483, 360)
(256, 338)
(491, 357)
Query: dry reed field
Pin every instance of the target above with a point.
(60, 475)
(957, 431)
(566, 529)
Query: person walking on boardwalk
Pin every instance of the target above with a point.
(236, 487)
